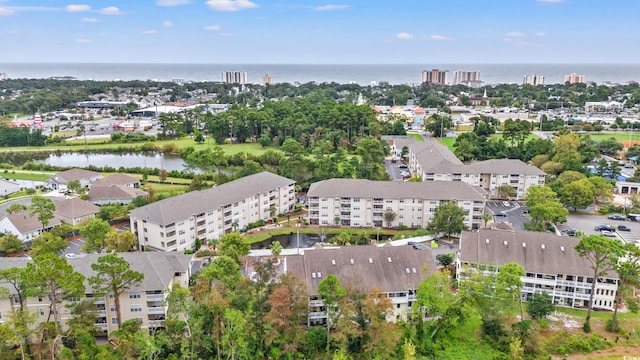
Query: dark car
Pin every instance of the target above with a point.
(616, 217)
(623, 228)
(605, 228)
(569, 232)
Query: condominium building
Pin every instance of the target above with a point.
(173, 224)
(551, 263)
(395, 271)
(363, 203)
(533, 80)
(574, 79)
(466, 77)
(145, 302)
(435, 162)
(267, 80)
(435, 77)
(234, 77)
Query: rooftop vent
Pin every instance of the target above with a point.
(562, 248)
(407, 270)
(524, 245)
(351, 261)
(487, 241)
(333, 262)
(319, 274)
(542, 246)
(389, 259)
(414, 270)
(505, 243)
(313, 275)
(370, 261)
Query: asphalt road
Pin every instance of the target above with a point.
(514, 213)
(393, 170)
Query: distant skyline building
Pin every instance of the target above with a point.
(435, 77)
(574, 79)
(533, 80)
(234, 77)
(467, 77)
(267, 79)
(3, 76)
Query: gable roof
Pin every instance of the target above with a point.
(431, 190)
(505, 166)
(74, 208)
(26, 223)
(114, 192)
(77, 174)
(388, 268)
(435, 158)
(180, 207)
(158, 267)
(544, 253)
(115, 179)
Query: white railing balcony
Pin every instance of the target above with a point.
(155, 296)
(155, 310)
(102, 326)
(102, 313)
(317, 315)
(315, 303)
(154, 323)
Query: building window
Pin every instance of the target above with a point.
(136, 308)
(134, 295)
(112, 307)
(41, 312)
(114, 321)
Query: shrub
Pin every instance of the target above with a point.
(205, 253)
(188, 251)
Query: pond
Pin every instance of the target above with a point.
(143, 160)
(293, 241)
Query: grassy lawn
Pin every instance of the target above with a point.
(262, 235)
(168, 189)
(448, 142)
(418, 137)
(26, 175)
(620, 136)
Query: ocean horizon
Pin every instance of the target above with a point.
(362, 74)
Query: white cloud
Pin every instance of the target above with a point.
(82, 40)
(90, 20)
(440, 37)
(150, 32)
(167, 23)
(231, 5)
(78, 8)
(541, 33)
(6, 12)
(172, 2)
(514, 34)
(212, 27)
(330, 7)
(404, 36)
(111, 10)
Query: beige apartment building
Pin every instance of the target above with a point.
(435, 162)
(551, 263)
(363, 203)
(144, 302)
(173, 224)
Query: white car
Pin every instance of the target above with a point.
(70, 256)
(506, 203)
(608, 233)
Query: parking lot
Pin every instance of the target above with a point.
(587, 224)
(394, 170)
(512, 212)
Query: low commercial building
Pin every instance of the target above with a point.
(175, 223)
(551, 263)
(363, 203)
(144, 302)
(61, 180)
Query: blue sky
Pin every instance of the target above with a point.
(320, 32)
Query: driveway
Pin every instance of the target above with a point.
(393, 170)
(508, 211)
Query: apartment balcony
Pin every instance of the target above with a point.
(317, 315)
(155, 323)
(155, 297)
(201, 223)
(101, 326)
(156, 310)
(316, 303)
(96, 300)
(101, 313)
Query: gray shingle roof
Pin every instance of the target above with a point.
(115, 179)
(26, 223)
(504, 166)
(371, 267)
(434, 157)
(474, 248)
(181, 207)
(77, 174)
(432, 190)
(158, 267)
(114, 192)
(74, 207)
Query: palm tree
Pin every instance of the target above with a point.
(389, 217)
(486, 218)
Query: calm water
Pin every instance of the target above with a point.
(115, 160)
(361, 74)
(292, 241)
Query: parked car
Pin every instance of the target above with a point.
(623, 228)
(501, 213)
(506, 203)
(616, 217)
(605, 228)
(569, 232)
(608, 233)
(403, 166)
